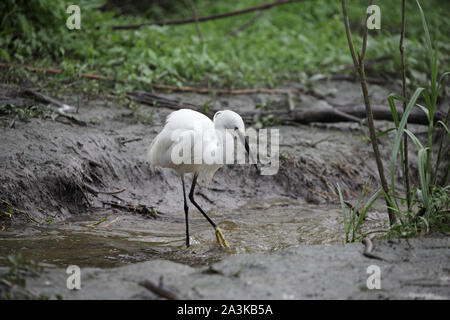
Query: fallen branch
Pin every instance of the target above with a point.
(141, 209)
(368, 64)
(114, 192)
(158, 101)
(111, 222)
(46, 99)
(354, 78)
(159, 290)
(246, 25)
(368, 249)
(303, 116)
(97, 223)
(202, 19)
(62, 107)
(384, 113)
(124, 142)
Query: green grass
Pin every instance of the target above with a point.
(353, 217)
(287, 43)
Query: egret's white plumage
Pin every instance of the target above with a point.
(193, 125)
(195, 128)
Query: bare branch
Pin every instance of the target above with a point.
(202, 19)
(349, 35)
(359, 66)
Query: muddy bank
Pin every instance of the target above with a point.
(414, 269)
(57, 169)
(84, 195)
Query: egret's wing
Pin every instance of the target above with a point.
(171, 148)
(186, 134)
(188, 119)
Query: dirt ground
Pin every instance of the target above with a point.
(48, 166)
(57, 170)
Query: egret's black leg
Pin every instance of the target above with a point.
(186, 210)
(219, 236)
(191, 197)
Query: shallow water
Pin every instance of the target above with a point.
(127, 238)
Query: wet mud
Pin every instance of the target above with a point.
(85, 195)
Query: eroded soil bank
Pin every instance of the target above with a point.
(60, 181)
(54, 168)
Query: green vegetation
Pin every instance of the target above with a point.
(23, 113)
(354, 216)
(429, 205)
(12, 283)
(433, 209)
(288, 42)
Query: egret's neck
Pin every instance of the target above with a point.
(220, 132)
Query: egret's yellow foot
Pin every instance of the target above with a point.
(220, 238)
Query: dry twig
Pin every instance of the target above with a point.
(367, 241)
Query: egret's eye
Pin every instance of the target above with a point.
(235, 128)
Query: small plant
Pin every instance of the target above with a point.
(265, 106)
(12, 284)
(49, 220)
(354, 216)
(139, 116)
(94, 121)
(427, 189)
(24, 113)
(207, 108)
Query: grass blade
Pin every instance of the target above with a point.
(398, 139)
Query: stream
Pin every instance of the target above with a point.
(128, 238)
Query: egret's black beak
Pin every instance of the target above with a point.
(247, 148)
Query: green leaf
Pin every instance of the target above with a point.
(443, 76)
(4, 55)
(401, 128)
(385, 132)
(425, 27)
(444, 125)
(341, 199)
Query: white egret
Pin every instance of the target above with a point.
(188, 129)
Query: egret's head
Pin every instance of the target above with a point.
(227, 119)
(231, 121)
